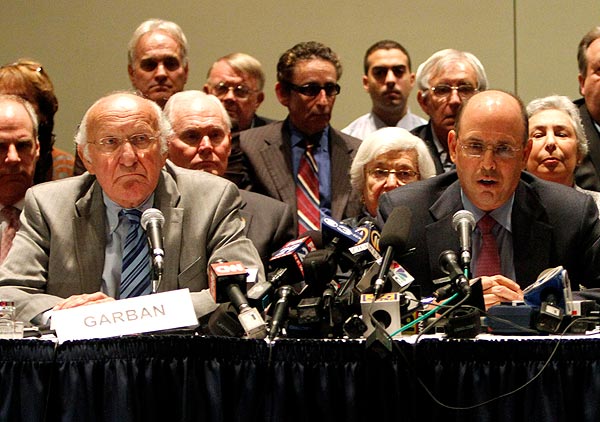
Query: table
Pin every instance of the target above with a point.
(184, 378)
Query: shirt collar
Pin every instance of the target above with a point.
(502, 215)
(113, 209)
(296, 137)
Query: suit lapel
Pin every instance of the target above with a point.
(90, 238)
(530, 227)
(166, 199)
(276, 145)
(340, 180)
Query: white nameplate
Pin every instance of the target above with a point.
(160, 311)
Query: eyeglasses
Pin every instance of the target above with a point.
(405, 176)
(239, 91)
(169, 63)
(110, 144)
(313, 89)
(444, 91)
(477, 149)
(380, 72)
(23, 146)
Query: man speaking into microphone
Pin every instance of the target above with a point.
(80, 240)
(524, 225)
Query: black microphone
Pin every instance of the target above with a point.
(394, 236)
(152, 222)
(464, 223)
(281, 310)
(449, 265)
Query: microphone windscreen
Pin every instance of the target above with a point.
(396, 229)
(316, 236)
(463, 215)
(152, 214)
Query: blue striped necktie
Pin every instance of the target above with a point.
(135, 272)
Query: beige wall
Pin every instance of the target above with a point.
(525, 45)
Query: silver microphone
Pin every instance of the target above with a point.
(152, 222)
(464, 223)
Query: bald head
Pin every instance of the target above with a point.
(201, 137)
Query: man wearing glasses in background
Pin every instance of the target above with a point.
(389, 80)
(302, 160)
(76, 233)
(524, 224)
(445, 80)
(238, 81)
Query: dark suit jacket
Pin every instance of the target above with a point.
(425, 132)
(59, 250)
(552, 225)
(268, 153)
(269, 223)
(587, 174)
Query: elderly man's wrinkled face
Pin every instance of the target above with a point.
(386, 172)
(201, 139)
(158, 70)
(19, 152)
(488, 150)
(124, 148)
(237, 91)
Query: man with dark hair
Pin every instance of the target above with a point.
(304, 143)
(389, 80)
(587, 174)
(522, 221)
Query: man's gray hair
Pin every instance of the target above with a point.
(153, 25)
(245, 64)
(28, 108)
(438, 61)
(385, 140)
(564, 104)
(175, 101)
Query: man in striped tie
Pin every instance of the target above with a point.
(81, 242)
(19, 152)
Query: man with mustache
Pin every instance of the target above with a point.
(304, 143)
(19, 152)
(445, 80)
(389, 80)
(524, 224)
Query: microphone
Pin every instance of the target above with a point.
(449, 265)
(281, 310)
(227, 281)
(394, 236)
(464, 223)
(152, 221)
(290, 257)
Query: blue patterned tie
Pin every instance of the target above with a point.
(135, 272)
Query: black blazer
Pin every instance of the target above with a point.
(552, 225)
(587, 174)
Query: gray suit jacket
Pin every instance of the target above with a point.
(268, 153)
(269, 223)
(59, 250)
(552, 225)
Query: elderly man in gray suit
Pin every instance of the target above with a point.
(72, 245)
(201, 140)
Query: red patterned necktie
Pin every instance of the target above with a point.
(11, 215)
(488, 262)
(307, 192)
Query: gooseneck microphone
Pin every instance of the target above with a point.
(464, 223)
(394, 237)
(449, 265)
(152, 222)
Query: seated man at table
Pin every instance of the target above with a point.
(73, 245)
(525, 224)
(201, 140)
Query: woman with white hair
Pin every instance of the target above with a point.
(558, 141)
(388, 158)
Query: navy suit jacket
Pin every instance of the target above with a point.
(552, 225)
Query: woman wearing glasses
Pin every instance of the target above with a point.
(558, 141)
(388, 158)
(27, 79)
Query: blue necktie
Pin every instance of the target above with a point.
(135, 272)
